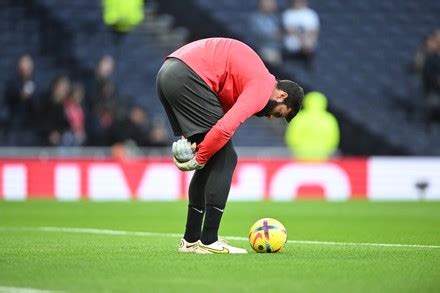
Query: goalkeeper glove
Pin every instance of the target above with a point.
(189, 165)
(183, 150)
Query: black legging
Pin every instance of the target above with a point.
(210, 186)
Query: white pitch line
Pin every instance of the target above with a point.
(174, 235)
(24, 290)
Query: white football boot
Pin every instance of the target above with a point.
(186, 246)
(219, 247)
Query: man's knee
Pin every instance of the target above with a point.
(197, 201)
(217, 193)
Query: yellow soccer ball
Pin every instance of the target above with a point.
(267, 236)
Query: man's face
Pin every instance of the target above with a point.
(268, 6)
(25, 66)
(279, 110)
(105, 66)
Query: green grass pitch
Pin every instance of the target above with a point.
(75, 261)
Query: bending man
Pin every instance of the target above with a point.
(208, 89)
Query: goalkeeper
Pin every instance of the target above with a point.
(208, 89)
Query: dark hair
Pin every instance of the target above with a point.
(295, 96)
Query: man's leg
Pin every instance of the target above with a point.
(192, 107)
(221, 167)
(196, 196)
(196, 205)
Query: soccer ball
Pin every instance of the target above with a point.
(267, 235)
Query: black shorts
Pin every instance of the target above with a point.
(191, 106)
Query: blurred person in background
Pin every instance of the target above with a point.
(21, 105)
(55, 120)
(265, 29)
(314, 133)
(301, 24)
(417, 67)
(426, 48)
(431, 78)
(99, 126)
(134, 127)
(123, 15)
(102, 103)
(101, 90)
(75, 116)
(159, 136)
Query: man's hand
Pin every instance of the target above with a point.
(188, 165)
(183, 150)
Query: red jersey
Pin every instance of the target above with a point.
(239, 78)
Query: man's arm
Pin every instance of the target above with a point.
(252, 99)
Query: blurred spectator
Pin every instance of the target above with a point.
(101, 102)
(99, 126)
(56, 123)
(75, 116)
(302, 28)
(265, 28)
(159, 136)
(427, 47)
(134, 128)
(431, 78)
(314, 132)
(21, 105)
(101, 90)
(123, 15)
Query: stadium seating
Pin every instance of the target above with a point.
(71, 38)
(362, 62)
(137, 55)
(20, 34)
(361, 65)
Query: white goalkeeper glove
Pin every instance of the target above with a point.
(183, 150)
(184, 155)
(188, 165)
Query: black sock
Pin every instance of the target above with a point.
(193, 224)
(212, 223)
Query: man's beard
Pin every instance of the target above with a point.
(271, 104)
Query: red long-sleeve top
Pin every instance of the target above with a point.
(239, 78)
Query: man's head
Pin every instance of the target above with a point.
(285, 101)
(299, 3)
(268, 6)
(25, 66)
(60, 88)
(105, 67)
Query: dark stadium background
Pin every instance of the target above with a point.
(362, 63)
(90, 200)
